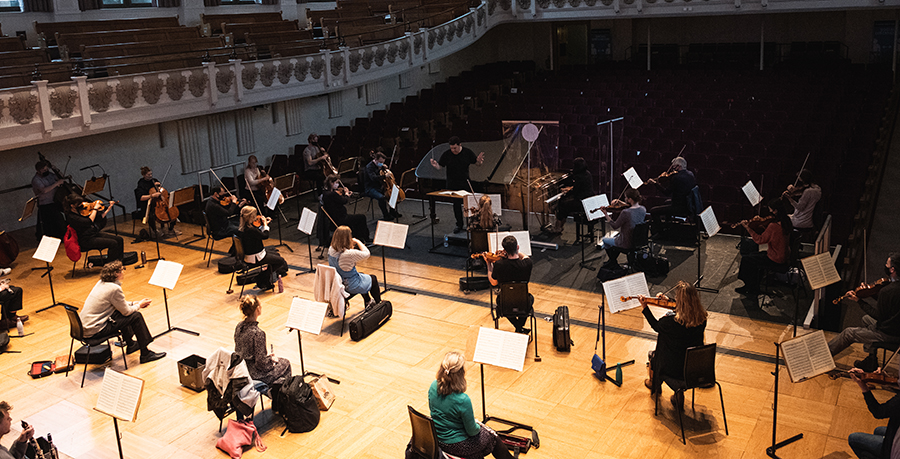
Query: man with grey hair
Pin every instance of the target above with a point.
(677, 184)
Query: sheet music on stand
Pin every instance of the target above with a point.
(306, 316)
(593, 204)
(93, 185)
(751, 193)
(807, 356)
(633, 179)
(389, 234)
(501, 348)
(631, 285)
(273, 198)
(166, 274)
(47, 249)
(395, 195)
(820, 270)
(523, 237)
(120, 395)
(710, 223)
(307, 221)
(472, 201)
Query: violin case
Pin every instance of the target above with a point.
(370, 320)
(128, 258)
(561, 338)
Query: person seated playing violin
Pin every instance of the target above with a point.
(148, 191)
(881, 323)
(88, 220)
(579, 185)
(334, 203)
(374, 187)
(631, 216)
(314, 158)
(483, 217)
(877, 444)
(513, 266)
(777, 236)
(677, 183)
(676, 332)
(253, 230)
(256, 179)
(220, 207)
(803, 198)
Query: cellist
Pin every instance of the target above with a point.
(374, 188)
(147, 191)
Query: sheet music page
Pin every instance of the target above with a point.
(501, 348)
(389, 234)
(593, 204)
(46, 250)
(523, 237)
(306, 316)
(807, 356)
(631, 285)
(820, 270)
(120, 395)
(819, 353)
(708, 217)
(751, 193)
(307, 221)
(273, 198)
(166, 274)
(634, 180)
(395, 194)
(796, 358)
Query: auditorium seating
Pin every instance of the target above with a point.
(48, 30)
(215, 22)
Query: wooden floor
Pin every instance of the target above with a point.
(576, 415)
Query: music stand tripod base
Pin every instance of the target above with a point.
(169, 326)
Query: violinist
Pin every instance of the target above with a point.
(877, 444)
(220, 207)
(777, 236)
(89, 227)
(514, 266)
(677, 184)
(677, 331)
(50, 219)
(579, 185)
(253, 230)
(147, 191)
(880, 323)
(483, 218)
(457, 161)
(634, 214)
(803, 198)
(374, 185)
(256, 183)
(313, 160)
(343, 255)
(334, 203)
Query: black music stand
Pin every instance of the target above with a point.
(155, 237)
(389, 234)
(46, 252)
(307, 225)
(708, 218)
(603, 369)
(165, 275)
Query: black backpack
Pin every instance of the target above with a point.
(297, 405)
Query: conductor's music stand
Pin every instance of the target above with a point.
(46, 252)
(28, 210)
(165, 275)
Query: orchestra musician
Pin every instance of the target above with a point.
(50, 219)
(513, 266)
(313, 157)
(20, 446)
(256, 180)
(634, 214)
(10, 304)
(148, 190)
(220, 208)
(676, 332)
(880, 323)
(250, 344)
(777, 236)
(253, 230)
(803, 198)
(484, 218)
(877, 445)
(676, 183)
(89, 227)
(457, 161)
(374, 185)
(343, 255)
(579, 185)
(334, 203)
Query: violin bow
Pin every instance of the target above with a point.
(801, 168)
(220, 183)
(329, 217)
(393, 156)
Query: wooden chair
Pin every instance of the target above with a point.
(424, 438)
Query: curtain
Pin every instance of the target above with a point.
(85, 5)
(212, 2)
(37, 6)
(168, 3)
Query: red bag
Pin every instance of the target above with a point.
(70, 241)
(237, 435)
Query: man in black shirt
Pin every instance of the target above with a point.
(881, 323)
(579, 185)
(145, 193)
(677, 185)
(220, 223)
(374, 185)
(88, 228)
(457, 161)
(512, 268)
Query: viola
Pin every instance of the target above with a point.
(662, 302)
(324, 152)
(66, 188)
(259, 221)
(662, 178)
(757, 224)
(88, 207)
(865, 290)
(795, 192)
(875, 379)
(491, 257)
(226, 201)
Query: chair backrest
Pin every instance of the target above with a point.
(640, 235)
(139, 205)
(424, 438)
(695, 203)
(206, 222)
(76, 329)
(479, 241)
(700, 366)
(238, 248)
(512, 300)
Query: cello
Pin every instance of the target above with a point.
(390, 182)
(160, 204)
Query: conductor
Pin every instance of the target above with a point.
(457, 161)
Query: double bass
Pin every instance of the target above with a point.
(64, 189)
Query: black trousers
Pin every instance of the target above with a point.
(568, 207)
(751, 268)
(374, 290)
(277, 268)
(10, 302)
(114, 244)
(50, 221)
(132, 327)
(316, 176)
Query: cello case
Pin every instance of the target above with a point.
(9, 249)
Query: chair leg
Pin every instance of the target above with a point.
(124, 358)
(344, 316)
(656, 402)
(86, 360)
(679, 409)
(69, 362)
(722, 400)
(692, 401)
(230, 283)
(537, 357)
(205, 249)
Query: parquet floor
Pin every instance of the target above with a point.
(576, 415)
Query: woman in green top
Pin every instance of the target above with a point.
(457, 430)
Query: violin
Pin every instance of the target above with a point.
(259, 221)
(88, 207)
(662, 177)
(795, 192)
(491, 257)
(615, 206)
(662, 302)
(757, 224)
(879, 379)
(865, 290)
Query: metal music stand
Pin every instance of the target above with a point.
(28, 210)
(181, 197)
(286, 184)
(288, 181)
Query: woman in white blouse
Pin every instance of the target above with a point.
(343, 255)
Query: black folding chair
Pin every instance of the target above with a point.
(76, 331)
(424, 438)
(513, 300)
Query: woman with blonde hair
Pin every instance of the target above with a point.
(677, 331)
(484, 218)
(343, 255)
(250, 344)
(252, 237)
(457, 430)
